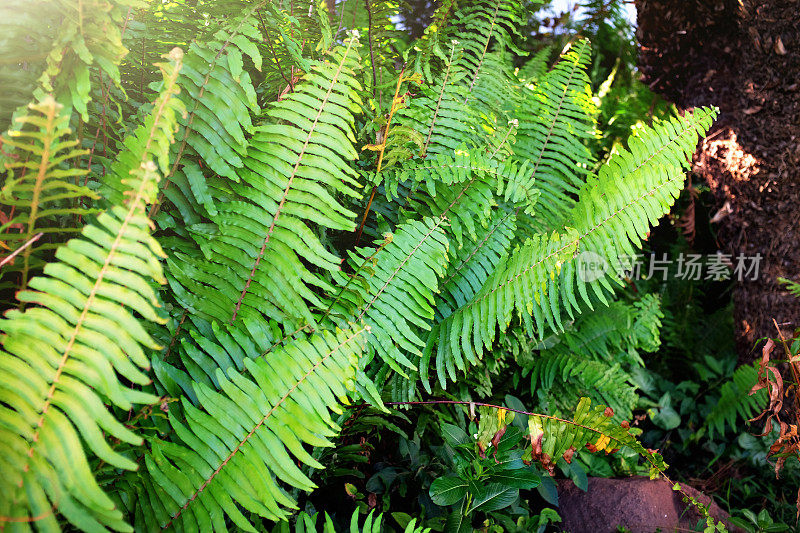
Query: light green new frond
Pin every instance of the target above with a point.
(64, 357)
(236, 447)
(556, 117)
(631, 192)
(41, 189)
(295, 170)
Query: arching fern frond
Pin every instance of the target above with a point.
(555, 118)
(42, 190)
(543, 279)
(238, 445)
(474, 263)
(397, 302)
(61, 357)
(295, 168)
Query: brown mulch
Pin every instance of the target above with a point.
(744, 59)
(639, 504)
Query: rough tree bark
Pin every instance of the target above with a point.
(743, 57)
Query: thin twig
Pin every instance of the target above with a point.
(21, 248)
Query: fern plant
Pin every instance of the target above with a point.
(251, 168)
(40, 190)
(62, 356)
(595, 357)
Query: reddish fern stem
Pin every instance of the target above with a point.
(16, 252)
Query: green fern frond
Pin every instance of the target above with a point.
(594, 357)
(792, 286)
(306, 523)
(26, 39)
(472, 265)
(61, 356)
(220, 96)
(543, 279)
(555, 119)
(536, 67)
(485, 22)
(735, 401)
(634, 189)
(295, 169)
(560, 378)
(42, 189)
(83, 37)
(231, 449)
(397, 301)
(527, 282)
(438, 113)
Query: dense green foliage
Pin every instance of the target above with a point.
(211, 260)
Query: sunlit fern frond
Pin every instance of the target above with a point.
(233, 449)
(43, 192)
(80, 344)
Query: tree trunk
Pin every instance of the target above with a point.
(743, 57)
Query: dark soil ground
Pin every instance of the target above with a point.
(745, 59)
